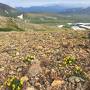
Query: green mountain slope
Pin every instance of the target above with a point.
(6, 10)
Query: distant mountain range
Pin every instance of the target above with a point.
(6, 10)
(55, 9)
(47, 9)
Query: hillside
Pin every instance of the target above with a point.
(16, 24)
(42, 51)
(9, 24)
(6, 10)
(45, 60)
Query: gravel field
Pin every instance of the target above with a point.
(45, 60)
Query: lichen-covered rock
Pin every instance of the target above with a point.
(35, 68)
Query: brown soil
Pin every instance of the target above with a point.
(47, 50)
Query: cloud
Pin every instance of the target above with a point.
(27, 3)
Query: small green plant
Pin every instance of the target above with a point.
(69, 60)
(29, 58)
(67, 26)
(72, 69)
(14, 84)
(78, 71)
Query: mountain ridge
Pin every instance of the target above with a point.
(55, 9)
(6, 10)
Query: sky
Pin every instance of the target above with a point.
(29, 3)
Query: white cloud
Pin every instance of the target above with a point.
(28, 3)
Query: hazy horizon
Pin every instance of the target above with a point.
(29, 3)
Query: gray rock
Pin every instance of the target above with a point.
(74, 79)
(11, 72)
(19, 69)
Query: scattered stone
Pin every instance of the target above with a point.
(11, 72)
(57, 83)
(37, 85)
(87, 85)
(19, 69)
(30, 88)
(22, 69)
(35, 68)
(40, 47)
(53, 74)
(32, 81)
(46, 71)
(17, 53)
(74, 79)
(2, 69)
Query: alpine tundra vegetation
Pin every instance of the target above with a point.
(44, 45)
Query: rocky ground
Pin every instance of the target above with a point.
(45, 61)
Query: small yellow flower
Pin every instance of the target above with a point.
(23, 79)
(78, 68)
(13, 86)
